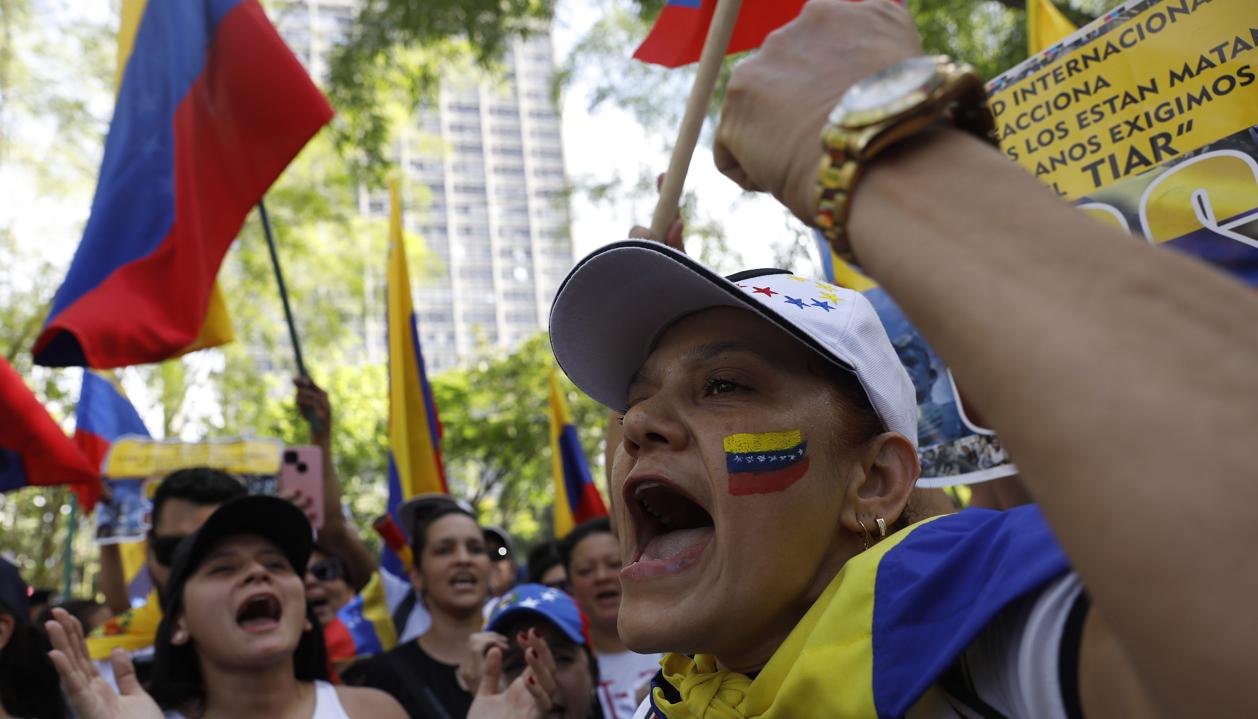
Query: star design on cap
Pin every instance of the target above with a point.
(764, 291)
(823, 305)
(830, 296)
(549, 595)
(530, 603)
(796, 301)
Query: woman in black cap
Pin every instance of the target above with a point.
(237, 637)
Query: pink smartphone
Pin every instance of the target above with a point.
(302, 470)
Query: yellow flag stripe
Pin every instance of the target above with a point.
(560, 415)
(765, 442)
(410, 434)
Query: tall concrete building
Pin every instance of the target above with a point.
(488, 157)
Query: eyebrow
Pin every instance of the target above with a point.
(706, 353)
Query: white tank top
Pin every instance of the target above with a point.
(327, 704)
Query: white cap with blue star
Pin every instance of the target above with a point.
(614, 304)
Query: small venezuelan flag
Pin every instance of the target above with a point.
(768, 462)
(576, 498)
(679, 32)
(363, 627)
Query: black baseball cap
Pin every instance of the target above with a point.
(13, 590)
(276, 520)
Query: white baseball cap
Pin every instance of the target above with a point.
(615, 303)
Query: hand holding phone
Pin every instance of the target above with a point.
(302, 471)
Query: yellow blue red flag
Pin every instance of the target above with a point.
(212, 105)
(1045, 25)
(576, 498)
(414, 429)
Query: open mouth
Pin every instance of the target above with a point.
(670, 525)
(464, 581)
(259, 612)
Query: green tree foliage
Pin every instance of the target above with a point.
(396, 55)
(55, 79)
(497, 435)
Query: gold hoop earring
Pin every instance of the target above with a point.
(882, 527)
(865, 533)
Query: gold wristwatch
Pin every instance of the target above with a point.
(885, 108)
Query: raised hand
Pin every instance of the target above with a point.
(89, 694)
(314, 405)
(674, 237)
(532, 693)
(303, 501)
(472, 668)
(769, 135)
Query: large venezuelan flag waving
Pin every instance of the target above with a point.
(576, 498)
(33, 449)
(102, 416)
(212, 106)
(414, 428)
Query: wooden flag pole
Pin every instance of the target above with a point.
(710, 61)
(288, 310)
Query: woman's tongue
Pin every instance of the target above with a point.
(670, 544)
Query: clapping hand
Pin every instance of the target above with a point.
(89, 694)
(530, 696)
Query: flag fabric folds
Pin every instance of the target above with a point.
(363, 627)
(1045, 26)
(414, 429)
(576, 498)
(677, 37)
(34, 451)
(212, 106)
(103, 415)
(890, 625)
(679, 32)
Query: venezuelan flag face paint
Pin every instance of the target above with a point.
(763, 463)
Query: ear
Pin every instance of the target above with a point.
(7, 623)
(881, 484)
(179, 631)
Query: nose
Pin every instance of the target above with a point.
(258, 572)
(653, 424)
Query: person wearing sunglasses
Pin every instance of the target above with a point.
(181, 504)
(327, 586)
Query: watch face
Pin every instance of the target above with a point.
(887, 89)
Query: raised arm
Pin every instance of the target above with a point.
(1121, 377)
(336, 534)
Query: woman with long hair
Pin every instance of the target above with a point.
(237, 637)
(451, 575)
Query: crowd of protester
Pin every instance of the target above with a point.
(834, 587)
